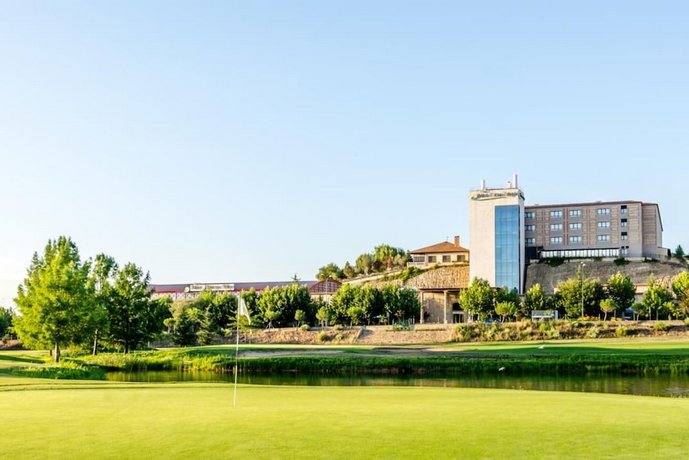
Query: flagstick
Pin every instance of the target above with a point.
(236, 360)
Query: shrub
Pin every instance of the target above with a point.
(620, 261)
(338, 338)
(621, 331)
(304, 327)
(323, 336)
(594, 332)
(686, 321)
(660, 327)
(338, 327)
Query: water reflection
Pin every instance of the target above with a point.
(664, 385)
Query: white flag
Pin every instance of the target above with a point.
(242, 310)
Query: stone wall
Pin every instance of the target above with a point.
(548, 277)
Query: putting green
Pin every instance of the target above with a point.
(56, 419)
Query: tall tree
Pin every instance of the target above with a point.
(680, 286)
(577, 293)
(55, 300)
(679, 253)
(534, 299)
(102, 274)
(330, 271)
(478, 298)
(134, 318)
(6, 320)
(657, 299)
(622, 291)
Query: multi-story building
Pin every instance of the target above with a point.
(630, 229)
(496, 233)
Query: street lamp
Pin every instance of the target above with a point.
(581, 274)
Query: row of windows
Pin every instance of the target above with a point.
(572, 226)
(583, 253)
(557, 214)
(575, 239)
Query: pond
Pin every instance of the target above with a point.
(657, 385)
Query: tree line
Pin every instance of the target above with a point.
(384, 257)
(579, 297)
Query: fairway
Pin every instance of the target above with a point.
(56, 419)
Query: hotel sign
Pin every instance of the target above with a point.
(211, 287)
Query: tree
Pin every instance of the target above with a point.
(330, 271)
(348, 271)
(55, 301)
(103, 270)
(657, 298)
(6, 319)
(608, 306)
(680, 287)
(323, 315)
(299, 317)
(341, 302)
(477, 299)
(679, 253)
(506, 309)
(134, 318)
(621, 291)
(534, 299)
(364, 264)
(573, 290)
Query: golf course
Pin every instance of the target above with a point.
(51, 418)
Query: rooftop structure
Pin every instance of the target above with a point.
(439, 254)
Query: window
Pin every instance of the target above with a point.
(530, 241)
(604, 224)
(431, 259)
(603, 211)
(556, 214)
(575, 213)
(603, 237)
(507, 246)
(623, 209)
(624, 236)
(624, 250)
(446, 259)
(556, 240)
(623, 223)
(574, 240)
(555, 227)
(418, 259)
(529, 215)
(530, 228)
(461, 257)
(575, 226)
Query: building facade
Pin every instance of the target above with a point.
(630, 229)
(444, 253)
(496, 233)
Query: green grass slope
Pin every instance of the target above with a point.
(48, 419)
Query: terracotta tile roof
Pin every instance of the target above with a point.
(444, 247)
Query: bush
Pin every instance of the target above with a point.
(338, 327)
(620, 261)
(338, 338)
(304, 327)
(621, 331)
(660, 327)
(65, 371)
(323, 336)
(686, 321)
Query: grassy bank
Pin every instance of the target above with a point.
(629, 357)
(105, 420)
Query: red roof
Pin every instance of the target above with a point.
(444, 247)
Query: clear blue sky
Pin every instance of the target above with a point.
(239, 141)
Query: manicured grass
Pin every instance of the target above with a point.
(48, 419)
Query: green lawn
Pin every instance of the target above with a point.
(59, 419)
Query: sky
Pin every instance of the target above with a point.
(255, 140)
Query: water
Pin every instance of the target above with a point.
(663, 385)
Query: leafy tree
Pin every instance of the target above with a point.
(657, 299)
(357, 315)
(220, 311)
(56, 301)
(330, 271)
(348, 271)
(364, 264)
(608, 306)
(323, 315)
(343, 299)
(506, 309)
(679, 253)
(478, 298)
(299, 317)
(534, 299)
(573, 290)
(277, 306)
(187, 322)
(680, 287)
(621, 290)
(102, 273)
(6, 319)
(369, 299)
(134, 318)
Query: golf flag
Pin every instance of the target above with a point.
(242, 310)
